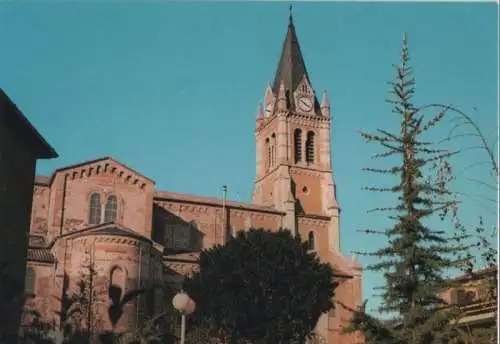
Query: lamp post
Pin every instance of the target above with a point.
(185, 305)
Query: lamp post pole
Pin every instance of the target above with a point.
(185, 305)
(183, 328)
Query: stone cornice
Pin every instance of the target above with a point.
(106, 165)
(100, 231)
(107, 239)
(314, 220)
(303, 120)
(310, 169)
(311, 121)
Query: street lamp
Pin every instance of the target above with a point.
(185, 305)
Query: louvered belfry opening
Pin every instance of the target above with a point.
(310, 148)
(273, 150)
(298, 145)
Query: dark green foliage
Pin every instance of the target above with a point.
(71, 305)
(483, 237)
(262, 286)
(37, 332)
(118, 302)
(10, 289)
(12, 298)
(72, 311)
(417, 257)
(201, 334)
(154, 331)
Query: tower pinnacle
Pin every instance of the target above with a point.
(290, 17)
(291, 66)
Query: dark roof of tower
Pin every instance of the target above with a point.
(291, 67)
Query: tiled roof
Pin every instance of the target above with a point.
(36, 240)
(42, 180)
(40, 254)
(184, 257)
(109, 228)
(476, 275)
(213, 201)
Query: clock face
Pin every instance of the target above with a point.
(269, 109)
(305, 104)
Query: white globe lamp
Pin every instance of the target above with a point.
(183, 303)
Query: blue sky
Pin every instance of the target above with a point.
(172, 89)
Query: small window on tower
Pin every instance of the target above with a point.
(311, 241)
(273, 149)
(268, 152)
(269, 156)
(310, 147)
(298, 145)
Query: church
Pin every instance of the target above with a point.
(105, 222)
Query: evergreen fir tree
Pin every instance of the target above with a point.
(417, 257)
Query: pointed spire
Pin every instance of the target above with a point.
(290, 17)
(282, 106)
(291, 67)
(325, 104)
(260, 111)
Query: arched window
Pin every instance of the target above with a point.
(273, 149)
(95, 209)
(311, 244)
(310, 147)
(29, 281)
(110, 209)
(297, 139)
(117, 277)
(268, 154)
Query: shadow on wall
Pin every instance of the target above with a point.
(298, 206)
(174, 233)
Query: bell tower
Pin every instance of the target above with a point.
(292, 135)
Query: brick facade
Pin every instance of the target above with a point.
(106, 213)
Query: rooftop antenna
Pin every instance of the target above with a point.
(224, 213)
